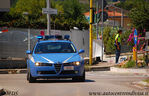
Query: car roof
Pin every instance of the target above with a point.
(44, 41)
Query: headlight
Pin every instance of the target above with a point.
(37, 64)
(76, 63)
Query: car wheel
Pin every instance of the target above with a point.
(27, 76)
(30, 78)
(80, 78)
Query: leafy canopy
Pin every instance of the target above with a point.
(138, 12)
(70, 14)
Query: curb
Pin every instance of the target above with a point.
(99, 67)
(134, 71)
(13, 71)
(141, 84)
(96, 68)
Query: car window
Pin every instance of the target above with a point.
(55, 47)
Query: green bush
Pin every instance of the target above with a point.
(147, 80)
(109, 34)
(108, 38)
(129, 64)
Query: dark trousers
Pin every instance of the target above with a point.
(117, 54)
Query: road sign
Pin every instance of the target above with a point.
(135, 36)
(49, 11)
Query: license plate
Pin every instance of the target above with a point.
(68, 68)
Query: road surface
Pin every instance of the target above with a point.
(98, 83)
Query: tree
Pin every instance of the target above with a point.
(70, 14)
(138, 13)
(73, 14)
(33, 7)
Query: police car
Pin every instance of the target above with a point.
(55, 57)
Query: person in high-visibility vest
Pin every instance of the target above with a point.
(118, 45)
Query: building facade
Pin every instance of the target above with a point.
(6, 4)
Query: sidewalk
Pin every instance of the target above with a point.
(141, 84)
(137, 71)
(13, 71)
(108, 62)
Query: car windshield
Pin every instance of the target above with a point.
(55, 47)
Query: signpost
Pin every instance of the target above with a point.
(135, 48)
(48, 11)
(135, 37)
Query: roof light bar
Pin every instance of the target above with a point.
(57, 37)
(67, 37)
(39, 37)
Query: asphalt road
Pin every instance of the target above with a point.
(99, 83)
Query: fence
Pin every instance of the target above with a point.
(13, 43)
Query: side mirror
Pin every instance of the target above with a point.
(81, 51)
(28, 52)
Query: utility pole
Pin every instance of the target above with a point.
(48, 19)
(91, 31)
(102, 30)
(97, 24)
(122, 17)
(29, 31)
(29, 42)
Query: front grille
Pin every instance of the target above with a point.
(46, 72)
(67, 72)
(67, 64)
(45, 64)
(57, 67)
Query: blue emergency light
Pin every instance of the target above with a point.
(67, 37)
(39, 37)
(57, 37)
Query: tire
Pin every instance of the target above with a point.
(27, 76)
(30, 78)
(80, 78)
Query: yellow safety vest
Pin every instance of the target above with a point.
(118, 37)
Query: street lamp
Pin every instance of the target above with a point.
(26, 14)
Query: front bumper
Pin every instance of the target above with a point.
(56, 71)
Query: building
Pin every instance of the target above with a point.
(116, 17)
(6, 4)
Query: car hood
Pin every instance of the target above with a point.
(56, 57)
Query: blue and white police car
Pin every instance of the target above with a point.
(54, 57)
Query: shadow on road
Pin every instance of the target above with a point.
(63, 81)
